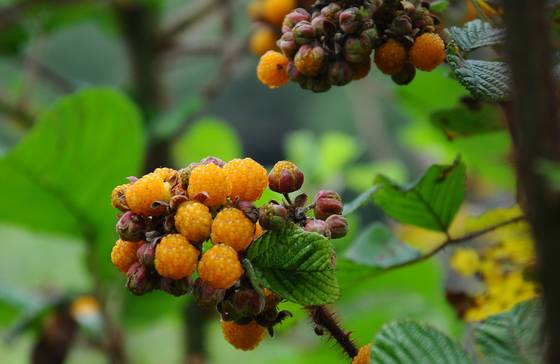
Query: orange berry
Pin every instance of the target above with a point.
(123, 254)
(193, 220)
(427, 52)
(274, 11)
(272, 69)
(390, 57)
(263, 39)
(210, 180)
(258, 231)
(118, 199)
(220, 267)
(233, 228)
(244, 337)
(176, 258)
(248, 179)
(255, 9)
(364, 355)
(143, 193)
(165, 173)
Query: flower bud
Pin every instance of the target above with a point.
(319, 84)
(373, 36)
(350, 20)
(176, 287)
(294, 17)
(249, 210)
(212, 160)
(140, 281)
(287, 44)
(331, 11)
(207, 296)
(404, 76)
(340, 73)
(303, 32)
(285, 177)
(323, 26)
(294, 74)
(327, 203)
(317, 226)
(272, 216)
(131, 227)
(401, 26)
(146, 254)
(357, 49)
(338, 226)
(244, 303)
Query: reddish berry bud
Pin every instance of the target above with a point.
(401, 26)
(331, 11)
(249, 209)
(213, 160)
(146, 254)
(272, 216)
(131, 227)
(244, 303)
(303, 32)
(176, 287)
(140, 281)
(350, 20)
(294, 74)
(285, 177)
(206, 295)
(287, 44)
(404, 76)
(323, 26)
(340, 73)
(318, 226)
(338, 226)
(294, 17)
(357, 49)
(327, 203)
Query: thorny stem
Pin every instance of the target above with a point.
(324, 318)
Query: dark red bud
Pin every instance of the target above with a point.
(318, 226)
(294, 17)
(338, 226)
(303, 32)
(350, 20)
(140, 281)
(327, 203)
(249, 210)
(176, 287)
(146, 254)
(285, 178)
(131, 227)
(287, 44)
(207, 296)
(323, 26)
(331, 11)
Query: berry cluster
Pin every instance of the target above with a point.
(333, 45)
(267, 17)
(168, 215)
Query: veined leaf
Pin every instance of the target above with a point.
(296, 264)
(476, 34)
(431, 203)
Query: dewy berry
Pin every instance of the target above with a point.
(248, 179)
(220, 267)
(123, 254)
(427, 52)
(176, 258)
(272, 69)
(143, 193)
(194, 221)
(390, 57)
(364, 355)
(233, 228)
(209, 184)
(244, 337)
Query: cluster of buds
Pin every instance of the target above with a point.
(168, 216)
(332, 45)
(267, 17)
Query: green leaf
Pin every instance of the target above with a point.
(359, 201)
(439, 5)
(377, 247)
(207, 137)
(484, 79)
(296, 264)
(405, 342)
(463, 121)
(476, 34)
(511, 337)
(431, 203)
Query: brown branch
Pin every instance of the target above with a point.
(324, 318)
(535, 129)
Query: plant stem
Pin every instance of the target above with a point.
(196, 322)
(323, 317)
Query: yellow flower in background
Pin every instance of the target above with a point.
(465, 261)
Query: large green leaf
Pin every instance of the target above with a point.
(406, 342)
(463, 121)
(431, 203)
(296, 264)
(377, 247)
(511, 337)
(476, 34)
(59, 178)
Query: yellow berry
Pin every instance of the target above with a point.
(364, 355)
(427, 52)
(233, 228)
(244, 337)
(143, 193)
(220, 267)
(255, 9)
(274, 11)
(193, 220)
(118, 199)
(465, 261)
(176, 258)
(165, 173)
(248, 179)
(123, 254)
(272, 69)
(263, 39)
(211, 180)
(390, 57)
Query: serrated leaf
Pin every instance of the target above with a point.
(406, 342)
(462, 121)
(511, 337)
(484, 79)
(476, 34)
(377, 247)
(431, 203)
(296, 264)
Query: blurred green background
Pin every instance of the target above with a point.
(340, 139)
